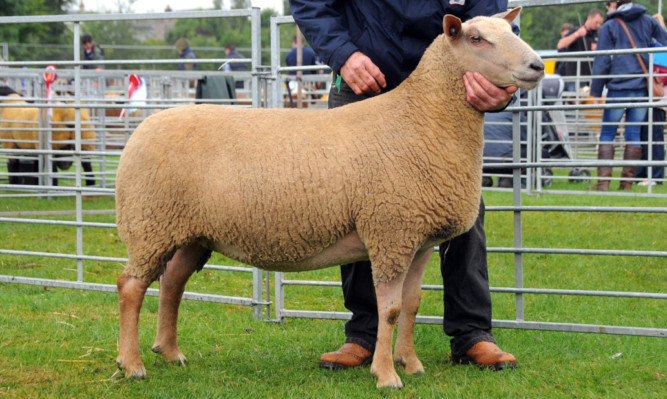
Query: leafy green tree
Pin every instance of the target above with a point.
(540, 26)
(51, 33)
(217, 32)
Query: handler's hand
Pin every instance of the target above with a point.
(484, 95)
(362, 75)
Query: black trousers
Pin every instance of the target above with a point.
(658, 133)
(467, 299)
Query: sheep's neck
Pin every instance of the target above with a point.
(435, 89)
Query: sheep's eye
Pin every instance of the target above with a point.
(476, 39)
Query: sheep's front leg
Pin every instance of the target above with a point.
(389, 308)
(172, 285)
(405, 354)
(131, 293)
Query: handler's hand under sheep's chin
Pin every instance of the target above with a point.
(484, 95)
(362, 75)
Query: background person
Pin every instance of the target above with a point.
(564, 30)
(374, 47)
(230, 52)
(582, 38)
(185, 53)
(90, 51)
(644, 30)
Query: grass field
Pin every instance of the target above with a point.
(63, 343)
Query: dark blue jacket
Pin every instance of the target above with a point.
(393, 33)
(644, 30)
(188, 53)
(309, 58)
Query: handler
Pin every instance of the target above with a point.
(373, 46)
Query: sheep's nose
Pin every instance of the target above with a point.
(537, 66)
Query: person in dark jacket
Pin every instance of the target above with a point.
(90, 51)
(372, 46)
(581, 38)
(644, 30)
(230, 52)
(308, 57)
(185, 52)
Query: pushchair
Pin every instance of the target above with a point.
(555, 137)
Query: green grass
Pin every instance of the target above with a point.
(63, 343)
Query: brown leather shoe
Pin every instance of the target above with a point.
(487, 355)
(349, 355)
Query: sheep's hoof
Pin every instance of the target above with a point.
(174, 357)
(411, 367)
(393, 384)
(390, 380)
(137, 372)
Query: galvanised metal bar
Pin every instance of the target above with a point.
(613, 209)
(78, 223)
(194, 296)
(77, 150)
(510, 290)
(518, 225)
(127, 17)
(516, 324)
(129, 62)
(276, 81)
(605, 252)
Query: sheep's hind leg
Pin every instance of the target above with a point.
(172, 285)
(389, 308)
(404, 353)
(131, 291)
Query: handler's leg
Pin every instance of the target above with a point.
(172, 285)
(405, 343)
(467, 300)
(358, 288)
(361, 329)
(131, 292)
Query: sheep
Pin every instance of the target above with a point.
(13, 136)
(383, 179)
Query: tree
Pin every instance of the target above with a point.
(51, 33)
(540, 25)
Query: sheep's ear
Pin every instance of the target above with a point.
(452, 27)
(509, 16)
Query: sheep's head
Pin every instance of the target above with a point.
(487, 45)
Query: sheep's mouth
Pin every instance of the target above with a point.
(528, 82)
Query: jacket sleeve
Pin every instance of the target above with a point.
(602, 63)
(659, 34)
(482, 8)
(322, 24)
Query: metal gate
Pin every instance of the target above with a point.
(170, 89)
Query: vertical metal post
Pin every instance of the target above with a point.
(649, 127)
(538, 141)
(268, 294)
(518, 239)
(5, 51)
(276, 92)
(256, 55)
(102, 82)
(43, 142)
(257, 293)
(77, 150)
(279, 295)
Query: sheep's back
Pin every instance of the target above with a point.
(235, 175)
